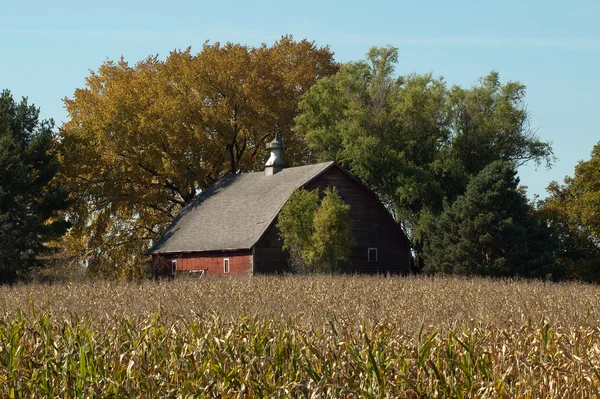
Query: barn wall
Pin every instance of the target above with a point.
(269, 257)
(240, 263)
(371, 225)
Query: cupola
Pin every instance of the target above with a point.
(276, 162)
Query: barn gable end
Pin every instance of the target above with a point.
(372, 227)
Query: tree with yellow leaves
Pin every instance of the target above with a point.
(142, 140)
(572, 210)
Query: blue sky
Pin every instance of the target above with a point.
(47, 48)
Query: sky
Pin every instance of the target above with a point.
(48, 48)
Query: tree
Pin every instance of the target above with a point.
(583, 194)
(415, 142)
(572, 210)
(143, 140)
(316, 236)
(296, 226)
(385, 130)
(332, 238)
(491, 231)
(490, 122)
(30, 201)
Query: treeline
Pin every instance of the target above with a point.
(141, 140)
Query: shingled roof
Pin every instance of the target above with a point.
(235, 212)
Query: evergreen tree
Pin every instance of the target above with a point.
(29, 201)
(491, 230)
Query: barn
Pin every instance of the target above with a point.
(230, 229)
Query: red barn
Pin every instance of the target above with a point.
(231, 227)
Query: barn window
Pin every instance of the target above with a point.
(173, 265)
(226, 265)
(372, 254)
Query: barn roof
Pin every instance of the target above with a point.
(235, 212)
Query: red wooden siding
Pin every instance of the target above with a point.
(240, 263)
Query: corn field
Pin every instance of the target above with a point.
(321, 337)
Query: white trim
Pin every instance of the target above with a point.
(226, 266)
(173, 265)
(199, 272)
(369, 255)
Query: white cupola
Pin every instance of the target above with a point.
(276, 162)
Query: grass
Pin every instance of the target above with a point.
(301, 337)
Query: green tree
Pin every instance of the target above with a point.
(30, 201)
(332, 238)
(386, 130)
(316, 235)
(142, 140)
(415, 142)
(296, 226)
(572, 210)
(491, 230)
(490, 122)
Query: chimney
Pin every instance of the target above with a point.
(276, 162)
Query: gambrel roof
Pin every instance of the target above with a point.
(235, 212)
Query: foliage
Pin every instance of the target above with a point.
(411, 139)
(142, 140)
(490, 122)
(573, 212)
(332, 238)
(29, 198)
(301, 337)
(316, 235)
(296, 226)
(491, 231)
(385, 130)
